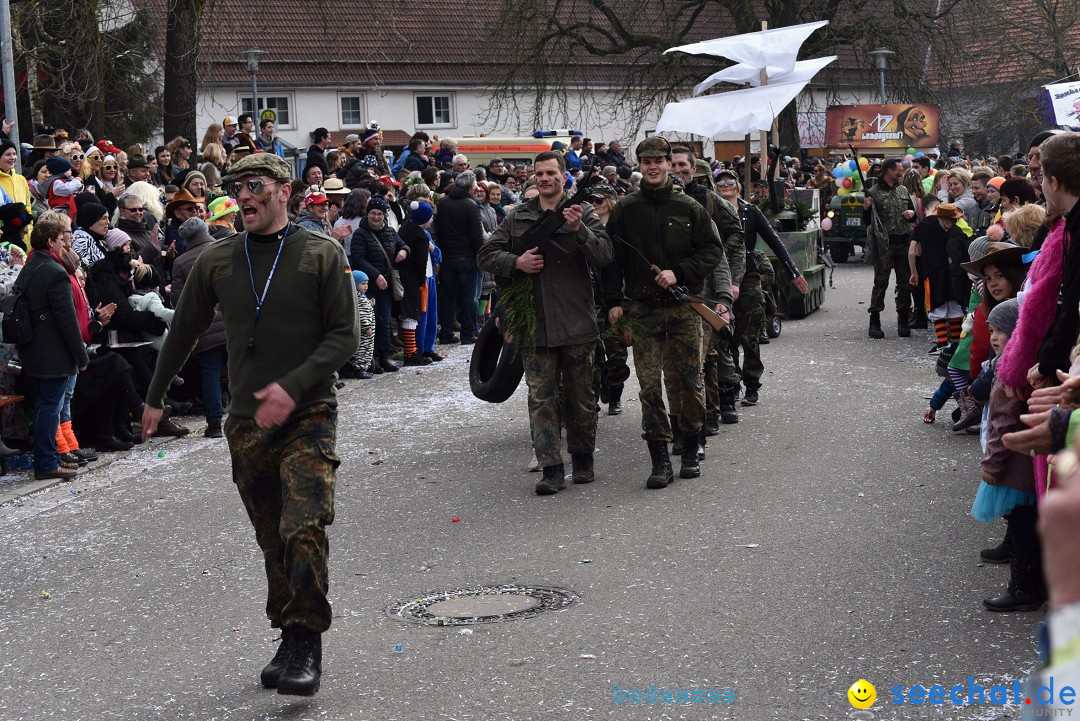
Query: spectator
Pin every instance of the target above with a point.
(56, 351)
(228, 138)
(215, 134)
(180, 151)
(459, 234)
(316, 208)
(223, 214)
(373, 245)
(414, 280)
(371, 146)
(61, 187)
(461, 164)
(267, 141)
(353, 211)
(138, 170)
(165, 171)
(184, 205)
(132, 218)
(320, 141)
(447, 150)
(11, 183)
(92, 222)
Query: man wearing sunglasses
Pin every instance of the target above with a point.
(290, 322)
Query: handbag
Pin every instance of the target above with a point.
(396, 287)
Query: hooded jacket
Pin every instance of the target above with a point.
(365, 253)
(458, 230)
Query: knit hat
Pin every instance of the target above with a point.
(5, 144)
(194, 228)
(358, 277)
(57, 165)
(220, 207)
(996, 254)
(1004, 315)
(995, 183)
(89, 214)
(977, 248)
(377, 202)
(419, 212)
(369, 161)
(116, 238)
(369, 134)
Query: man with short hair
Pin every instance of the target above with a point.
(718, 368)
(285, 342)
(897, 212)
(459, 235)
(460, 163)
(657, 226)
(320, 141)
(497, 170)
(351, 146)
(615, 155)
(559, 357)
(138, 170)
(980, 218)
(371, 145)
(922, 164)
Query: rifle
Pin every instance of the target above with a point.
(539, 233)
(705, 307)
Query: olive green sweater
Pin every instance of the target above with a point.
(307, 329)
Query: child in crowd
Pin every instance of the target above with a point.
(1008, 484)
(361, 360)
(945, 284)
(146, 298)
(413, 270)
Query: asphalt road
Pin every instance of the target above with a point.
(827, 540)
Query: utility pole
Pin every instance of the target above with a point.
(11, 110)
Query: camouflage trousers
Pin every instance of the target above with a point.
(749, 320)
(717, 371)
(668, 338)
(285, 477)
(549, 372)
(611, 354)
(895, 264)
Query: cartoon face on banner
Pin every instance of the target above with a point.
(882, 127)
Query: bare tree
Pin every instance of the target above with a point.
(604, 57)
(181, 60)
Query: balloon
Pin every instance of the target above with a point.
(864, 164)
(826, 224)
(848, 183)
(911, 151)
(840, 182)
(838, 172)
(842, 192)
(919, 154)
(848, 172)
(909, 157)
(852, 164)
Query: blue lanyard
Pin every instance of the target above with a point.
(259, 300)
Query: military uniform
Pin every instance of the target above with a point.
(674, 232)
(560, 360)
(891, 202)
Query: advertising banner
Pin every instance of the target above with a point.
(884, 127)
(1065, 98)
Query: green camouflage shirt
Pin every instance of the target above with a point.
(891, 204)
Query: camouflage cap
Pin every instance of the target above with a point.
(702, 169)
(266, 164)
(653, 147)
(603, 191)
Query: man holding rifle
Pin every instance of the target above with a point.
(666, 246)
(555, 242)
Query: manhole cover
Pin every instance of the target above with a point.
(489, 604)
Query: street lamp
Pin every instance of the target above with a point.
(881, 62)
(251, 57)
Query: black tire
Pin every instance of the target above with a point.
(496, 368)
(774, 327)
(840, 253)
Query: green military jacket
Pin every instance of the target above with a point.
(728, 222)
(891, 204)
(565, 310)
(673, 231)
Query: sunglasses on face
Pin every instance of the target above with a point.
(132, 210)
(77, 156)
(110, 167)
(725, 181)
(256, 186)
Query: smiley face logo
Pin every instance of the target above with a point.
(862, 694)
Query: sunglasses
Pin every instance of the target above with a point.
(132, 210)
(725, 182)
(77, 156)
(256, 186)
(110, 166)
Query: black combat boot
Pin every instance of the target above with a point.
(712, 424)
(661, 474)
(1001, 553)
(1026, 592)
(875, 326)
(676, 436)
(691, 466)
(614, 402)
(902, 328)
(554, 480)
(728, 412)
(375, 368)
(582, 468)
(388, 365)
(302, 671)
(269, 676)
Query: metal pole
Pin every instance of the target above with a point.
(881, 72)
(255, 97)
(11, 110)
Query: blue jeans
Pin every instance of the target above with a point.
(460, 279)
(65, 409)
(48, 400)
(384, 306)
(211, 362)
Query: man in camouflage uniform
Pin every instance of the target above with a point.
(897, 212)
(290, 322)
(659, 227)
(559, 360)
(719, 374)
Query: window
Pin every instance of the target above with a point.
(434, 111)
(278, 103)
(352, 110)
